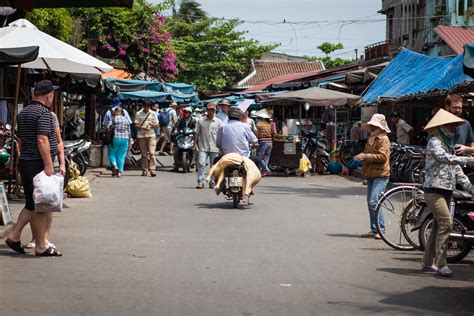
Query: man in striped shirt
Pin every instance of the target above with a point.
(38, 148)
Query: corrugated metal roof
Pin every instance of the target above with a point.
(281, 79)
(456, 36)
(266, 70)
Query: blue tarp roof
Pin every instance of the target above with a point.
(128, 85)
(411, 73)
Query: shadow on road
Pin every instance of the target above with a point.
(221, 206)
(314, 190)
(450, 300)
(344, 235)
(461, 273)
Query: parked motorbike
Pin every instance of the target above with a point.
(184, 146)
(315, 149)
(77, 151)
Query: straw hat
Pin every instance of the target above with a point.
(224, 102)
(188, 109)
(263, 114)
(443, 117)
(378, 120)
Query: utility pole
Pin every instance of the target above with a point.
(357, 56)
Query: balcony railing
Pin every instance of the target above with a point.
(377, 50)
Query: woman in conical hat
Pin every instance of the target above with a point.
(376, 162)
(443, 171)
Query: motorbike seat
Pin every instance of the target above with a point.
(462, 195)
(73, 143)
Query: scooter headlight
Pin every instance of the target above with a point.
(235, 173)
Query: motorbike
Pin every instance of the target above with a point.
(77, 151)
(184, 146)
(232, 186)
(461, 238)
(315, 150)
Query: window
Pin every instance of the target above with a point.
(461, 8)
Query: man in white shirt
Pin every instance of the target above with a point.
(171, 118)
(146, 122)
(404, 129)
(222, 115)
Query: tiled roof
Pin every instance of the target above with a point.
(456, 36)
(281, 79)
(266, 70)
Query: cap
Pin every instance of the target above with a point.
(116, 102)
(173, 104)
(224, 102)
(395, 114)
(211, 105)
(188, 109)
(235, 113)
(44, 87)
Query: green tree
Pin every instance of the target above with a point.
(327, 48)
(328, 61)
(56, 22)
(211, 53)
(190, 11)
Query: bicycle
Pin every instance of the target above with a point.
(399, 207)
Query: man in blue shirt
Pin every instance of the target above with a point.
(236, 136)
(464, 137)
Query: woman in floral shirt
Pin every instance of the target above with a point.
(443, 171)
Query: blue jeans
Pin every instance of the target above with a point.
(375, 187)
(203, 156)
(118, 152)
(264, 152)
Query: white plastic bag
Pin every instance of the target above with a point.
(48, 192)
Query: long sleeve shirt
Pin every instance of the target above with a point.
(235, 137)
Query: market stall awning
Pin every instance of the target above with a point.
(411, 73)
(32, 4)
(129, 85)
(117, 74)
(18, 55)
(319, 97)
(54, 54)
(158, 96)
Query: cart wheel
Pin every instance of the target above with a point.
(287, 172)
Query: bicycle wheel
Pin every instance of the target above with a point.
(389, 213)
(410, 218)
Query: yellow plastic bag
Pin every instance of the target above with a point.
(304, 166)
(78, 188)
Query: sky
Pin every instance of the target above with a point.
(312, 22)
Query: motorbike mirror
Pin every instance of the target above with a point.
(306, 106)
(8, 127)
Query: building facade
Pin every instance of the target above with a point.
(411, 23)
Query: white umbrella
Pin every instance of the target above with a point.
(54, 54)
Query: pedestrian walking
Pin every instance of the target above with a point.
(443, 171)
(249, 121)
(376, 168)
(146, 122)
(223, 114)
(266, 130)
(168, 122)
(38, 148)
(205, 143)
(59, 166)
(121, 142)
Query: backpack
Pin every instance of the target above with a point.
(165, 118)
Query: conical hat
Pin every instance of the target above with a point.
(263, 114)
(443, 117)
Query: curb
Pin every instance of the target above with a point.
(91, 176)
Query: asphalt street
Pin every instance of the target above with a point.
(157, 246)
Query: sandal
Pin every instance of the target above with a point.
(15, 245)
(50, 252)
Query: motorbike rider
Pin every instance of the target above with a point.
(236, 137)
(188, 121)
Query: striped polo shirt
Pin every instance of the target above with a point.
(35, 119)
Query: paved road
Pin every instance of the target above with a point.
(157, 246)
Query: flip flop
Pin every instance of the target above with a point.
(50, 252)
(15, 245)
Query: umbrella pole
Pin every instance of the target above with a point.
(13, 147)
